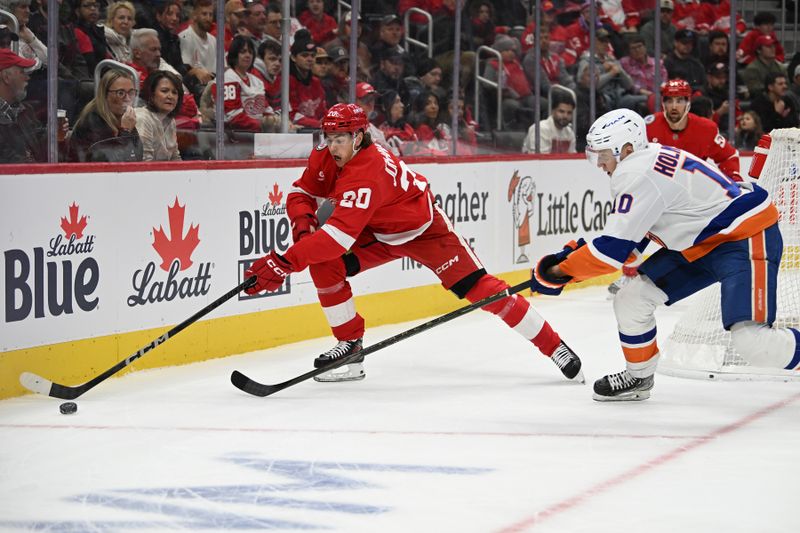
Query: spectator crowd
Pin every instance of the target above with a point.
(156, 97)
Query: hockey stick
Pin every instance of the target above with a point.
(255, 388)
(41, 385)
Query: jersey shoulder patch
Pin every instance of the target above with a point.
(321, 146)
(649, 119)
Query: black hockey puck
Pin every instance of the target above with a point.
(67, 408)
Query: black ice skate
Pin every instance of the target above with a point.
(622, 387)
(569, 363)
(352, 371)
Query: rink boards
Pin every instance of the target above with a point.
(99, 261)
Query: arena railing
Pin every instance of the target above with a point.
(13, 25)
(428, 47)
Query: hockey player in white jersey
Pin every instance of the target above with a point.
(710, 229)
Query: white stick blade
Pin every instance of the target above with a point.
(35, 383)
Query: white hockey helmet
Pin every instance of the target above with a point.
(614, 130)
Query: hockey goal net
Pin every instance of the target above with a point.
(699, 347)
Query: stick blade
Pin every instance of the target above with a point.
(36, 383)
(243, 383)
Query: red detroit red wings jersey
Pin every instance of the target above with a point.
(375, 191)
(701, 137)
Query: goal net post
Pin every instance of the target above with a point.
(699, 347)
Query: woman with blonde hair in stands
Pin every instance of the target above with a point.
(120, 19)
(106, 128)
(163, 95)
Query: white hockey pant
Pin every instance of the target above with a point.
(634, 308)
(762, 345)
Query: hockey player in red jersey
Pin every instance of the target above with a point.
(383, 211)
(675, 126)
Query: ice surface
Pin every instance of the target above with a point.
(465, 428)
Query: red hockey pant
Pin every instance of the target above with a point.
(444, 252)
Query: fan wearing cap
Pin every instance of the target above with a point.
(338, 81)
(22, 137)
(235, 22)
(765, 63)
(383, 211)
(389, 76)
(676, 126)
(709, 228)
(717, 89)
(322, 64)
(322, 26)
(390, 33)
(306, 94)
(363, 51)
(663, 25)
(680, 63)
(366, 96)
(764, 26)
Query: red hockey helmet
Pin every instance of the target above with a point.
(676, 87)
(344, 118)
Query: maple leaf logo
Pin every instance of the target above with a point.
(177, 246)
(275, 196)
(73, 226)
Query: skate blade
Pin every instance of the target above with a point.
(352, 372)
(579, 378)
(635, 396)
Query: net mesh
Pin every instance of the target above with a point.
(699, 347)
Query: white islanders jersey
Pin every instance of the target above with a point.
(668, 196)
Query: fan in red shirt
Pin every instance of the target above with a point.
(322, 26)
(675, 126)
(306, 95)
(383, 211)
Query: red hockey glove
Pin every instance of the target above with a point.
(545, 283)
(303, 226)
(630, 271)
(271, 270)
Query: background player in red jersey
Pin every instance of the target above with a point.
(383, 211)
(675, 126)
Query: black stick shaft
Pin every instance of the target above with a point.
(255, 388)
(66, 392)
